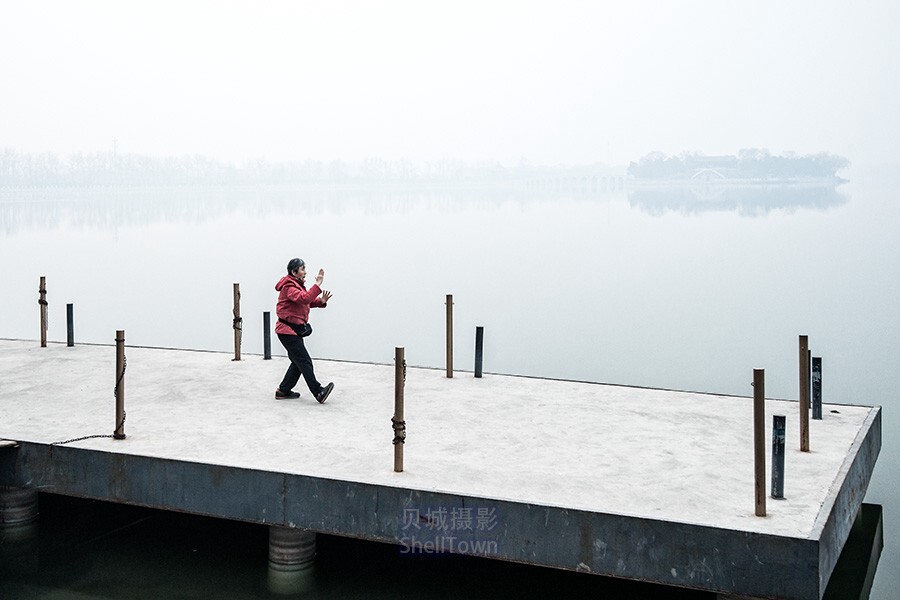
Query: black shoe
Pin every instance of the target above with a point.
(281, 395)
(323, 393)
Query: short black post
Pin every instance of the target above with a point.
(267, 335)
(778, 423)
(817, 387)
(449, 335)
(479, 349)
(70, 325)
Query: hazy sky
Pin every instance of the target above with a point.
(545, 82)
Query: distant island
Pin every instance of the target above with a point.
(748, 167)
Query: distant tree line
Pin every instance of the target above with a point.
(18, 169)
(750, 163)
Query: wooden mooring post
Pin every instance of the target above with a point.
(236, 323)
(119, 432)
(397, 421)
(804, 393)
(759, 439)
(449, 335)
(42, 290)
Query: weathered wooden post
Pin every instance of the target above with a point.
(119, 432)
(479, 350)
(778, 426)
(267, 335)
(43, 302)
(237, 322)
(397, 420)
(70, 325)
(817, 387)
(449, 335)
(804, 393)
(759, 439)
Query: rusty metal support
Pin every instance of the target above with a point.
(397, 420)
(804, 393)
(236, 323)
(119, 432)
(759, 439)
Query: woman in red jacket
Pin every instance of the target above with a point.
(294, 302)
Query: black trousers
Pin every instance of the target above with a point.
(301, 364)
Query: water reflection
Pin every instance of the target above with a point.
(111, 207)
(108, 208)
(746, 199)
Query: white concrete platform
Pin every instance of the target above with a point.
(647, 454)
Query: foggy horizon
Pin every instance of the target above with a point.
(514, 83)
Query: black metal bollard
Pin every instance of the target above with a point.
(778, 424)
(817, 387)
(70, 325)
(479, 350)
(449, 335)
(267, 336)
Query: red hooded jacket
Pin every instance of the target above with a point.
(294, 302)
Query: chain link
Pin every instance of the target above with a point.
(399, 431)
(118, 427)
(400, 426)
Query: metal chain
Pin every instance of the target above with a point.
(118, 427)
(400, 426)
(237, 322)
(399, 431)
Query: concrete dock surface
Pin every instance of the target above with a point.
(601, 458)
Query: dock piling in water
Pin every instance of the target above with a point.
(759, 448)
(292, 555)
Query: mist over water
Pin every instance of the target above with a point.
(151, 155)
(569, 281)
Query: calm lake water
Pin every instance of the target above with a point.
(672, 288)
